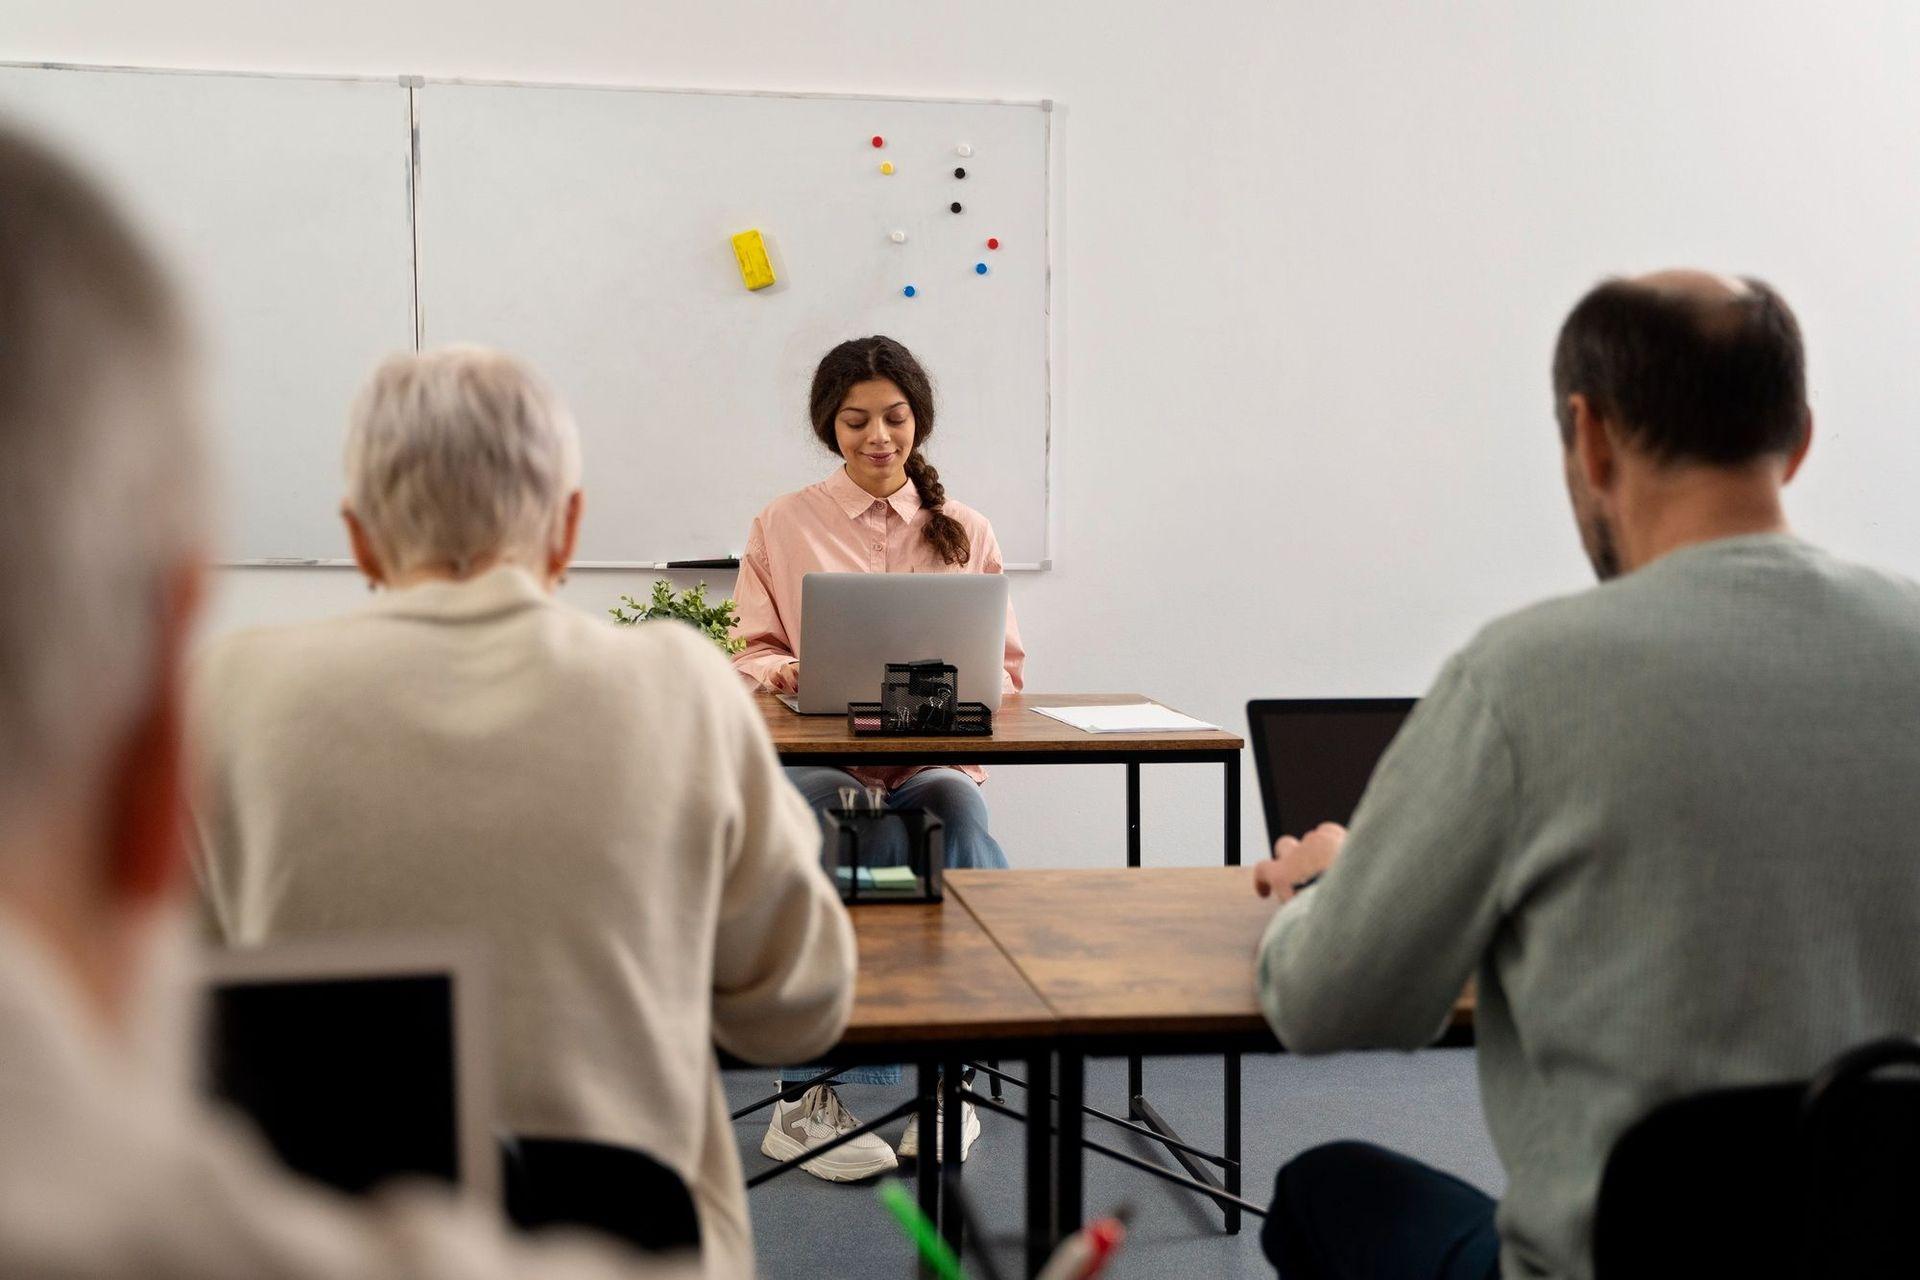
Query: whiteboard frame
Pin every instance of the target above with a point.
(414, 83)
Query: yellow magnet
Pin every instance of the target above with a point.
(755, 271)
(886, 166)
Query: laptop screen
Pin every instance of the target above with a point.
(1315, 755)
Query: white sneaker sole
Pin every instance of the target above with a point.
(969, 1134)
(834, 1166)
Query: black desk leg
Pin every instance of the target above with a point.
(1231, 1120)
(928, 1174)
(1133, 813)
(1233, 1141)
(1071, 1173)
(1233, 812)
(1136, 1083)
(949, 1152)
(1040, 1161)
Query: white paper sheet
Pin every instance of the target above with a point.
(1131, 717)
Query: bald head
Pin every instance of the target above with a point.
(1690, 284)
(1686, 366)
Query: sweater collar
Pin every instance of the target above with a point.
(502, 589)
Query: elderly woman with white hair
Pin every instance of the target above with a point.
(601, 805)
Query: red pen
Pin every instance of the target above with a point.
(1086, 1252)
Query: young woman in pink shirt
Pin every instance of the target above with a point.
(883, 510)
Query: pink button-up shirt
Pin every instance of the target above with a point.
(838, 527)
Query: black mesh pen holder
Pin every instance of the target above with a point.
(885, 855)
(920, 699)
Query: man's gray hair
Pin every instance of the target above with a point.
(103, 474)
(458, 457)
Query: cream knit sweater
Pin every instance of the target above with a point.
(600, 805)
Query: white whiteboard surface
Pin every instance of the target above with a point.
(588, 230)
(281, 207)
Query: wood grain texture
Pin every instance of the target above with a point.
(1132, 951)
(1016, 727)
(929, 972)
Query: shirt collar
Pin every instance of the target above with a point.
(855, 501)
(502, 589)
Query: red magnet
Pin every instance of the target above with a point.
(993, 243)
(879, 141)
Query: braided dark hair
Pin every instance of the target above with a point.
(869, 359)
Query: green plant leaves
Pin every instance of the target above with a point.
(715, 621)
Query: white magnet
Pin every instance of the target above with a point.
(964, 149)
(898, 237)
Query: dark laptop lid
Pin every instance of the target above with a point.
(1313, 756)
(359, 1058)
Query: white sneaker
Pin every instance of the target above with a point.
(817, 1117)
(969, 1134)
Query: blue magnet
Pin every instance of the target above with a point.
(979, 268)
(909, 291)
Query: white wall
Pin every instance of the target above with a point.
(1313, 256)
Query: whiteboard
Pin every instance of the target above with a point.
(589, 231)
(281, 206)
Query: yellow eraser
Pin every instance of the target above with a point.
(755, 270)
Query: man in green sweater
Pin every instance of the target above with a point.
(1668, 822)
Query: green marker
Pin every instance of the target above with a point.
(900, 1202)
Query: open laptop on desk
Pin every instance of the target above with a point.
(853, 624)
(359, 1059)
(1314, 756)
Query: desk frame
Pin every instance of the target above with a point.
(1138, 1106)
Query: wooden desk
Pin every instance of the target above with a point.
(930, 975)
(1154, 951)
(1020, 735)
(933, 989)
(1158, 958)
(1183, 965)
(1029, 965)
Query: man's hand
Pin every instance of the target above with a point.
(1295, 862)
(785, 679)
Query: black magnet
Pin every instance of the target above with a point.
(959, 173)
(955, 206)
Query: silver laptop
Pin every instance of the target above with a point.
(853, 624)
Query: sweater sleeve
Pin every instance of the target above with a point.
(768, 646)
(1375, 955)
(784, 955)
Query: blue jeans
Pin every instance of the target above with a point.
(1353, 1211)
(948, 794)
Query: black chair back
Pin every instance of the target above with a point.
(620, 1192)
(1786, 1180)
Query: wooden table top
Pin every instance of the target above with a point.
(1016, 728)
(929, 972)
(1132, 951)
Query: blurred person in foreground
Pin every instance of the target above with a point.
(109, 1166)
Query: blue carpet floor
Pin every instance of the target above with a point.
(1425, 1104)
